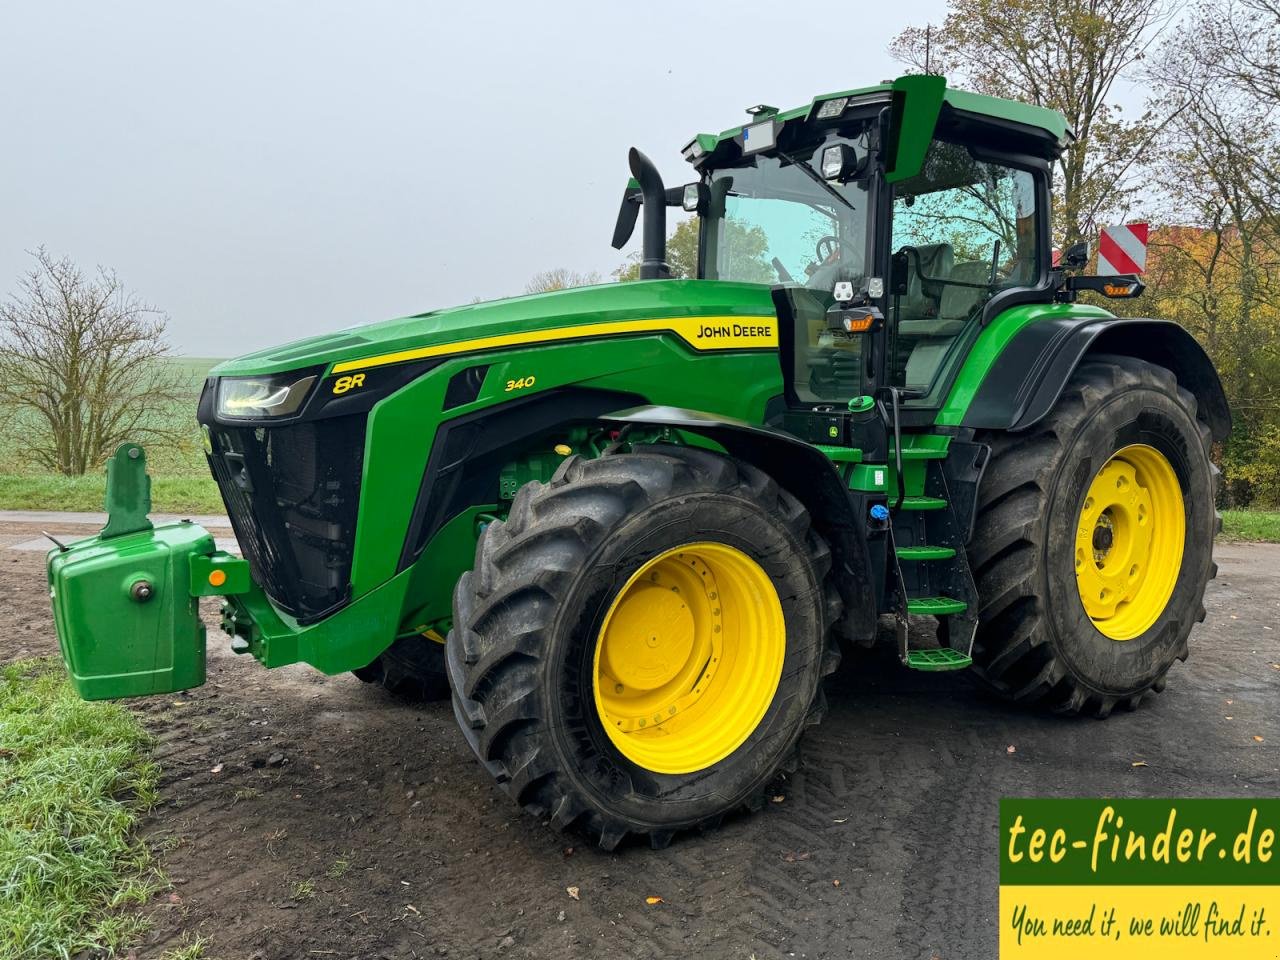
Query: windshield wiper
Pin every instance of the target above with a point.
(816, 177)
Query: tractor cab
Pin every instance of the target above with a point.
(892, 221)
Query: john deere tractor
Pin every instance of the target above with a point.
(630, 528)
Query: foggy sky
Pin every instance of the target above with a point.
(267, 171)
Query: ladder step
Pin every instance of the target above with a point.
(919, 453)
(935, 606)
(943, 658)
(926, 553)
(840, 454)
(922, 503)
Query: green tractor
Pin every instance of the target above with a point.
(630, 528)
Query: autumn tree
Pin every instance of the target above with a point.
(1216, 267)
(1067, 57)
(682, 253)
(82, 366)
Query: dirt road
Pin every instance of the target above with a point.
(343, 824)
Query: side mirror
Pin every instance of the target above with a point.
(628, 213)
(1076, 256)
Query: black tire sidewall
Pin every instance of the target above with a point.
(598, 768)
(1137, 415)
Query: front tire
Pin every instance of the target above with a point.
(1093, 541)
(642, 642)
(411, 669)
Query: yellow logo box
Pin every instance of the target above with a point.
(1159, 878)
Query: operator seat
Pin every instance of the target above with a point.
(921, 301)
(955, 308)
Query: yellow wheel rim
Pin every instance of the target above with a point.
(1129, 540)
(689, 657)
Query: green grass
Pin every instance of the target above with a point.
(190, 950)
(169, 494)
(1257, 525)
(74, 777)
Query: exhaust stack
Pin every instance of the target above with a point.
(653, 249)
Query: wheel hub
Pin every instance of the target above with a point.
(1103, 538)
(1129, 541)
(689, 657)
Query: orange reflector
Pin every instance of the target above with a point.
(217, 577)
(859, 324)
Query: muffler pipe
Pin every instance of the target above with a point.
(653, 247)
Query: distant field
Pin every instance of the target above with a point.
(197, 367)
(185, 494)
(180, 480)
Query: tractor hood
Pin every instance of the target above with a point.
(604, 303)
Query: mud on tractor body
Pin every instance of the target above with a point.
(630, 528)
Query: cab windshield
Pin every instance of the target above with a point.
(773, 219)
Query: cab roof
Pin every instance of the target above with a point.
(1049, 124)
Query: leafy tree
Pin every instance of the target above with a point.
(82, 366)
(682, 254)
(1067, 57)
(745, 245)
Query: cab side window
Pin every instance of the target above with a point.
(963, 230)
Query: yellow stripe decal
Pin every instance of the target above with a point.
(701, 333)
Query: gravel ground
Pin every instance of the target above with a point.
(341, 823)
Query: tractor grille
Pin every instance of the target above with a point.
(292, 493)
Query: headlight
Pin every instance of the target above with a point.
(274, 395)
(833, 162)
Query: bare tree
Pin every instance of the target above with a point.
(82, 366)
(560, 278)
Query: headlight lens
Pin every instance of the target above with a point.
(833, 162)
(276, 395)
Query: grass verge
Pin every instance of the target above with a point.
(181, 494)
(1257, 525)
(74, 777)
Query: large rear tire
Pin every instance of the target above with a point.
(1093, 541)
(642, 642)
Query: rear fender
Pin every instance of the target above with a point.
(1034, 369)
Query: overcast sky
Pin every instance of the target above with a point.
(266, 171)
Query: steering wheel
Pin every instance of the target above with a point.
(827, 248)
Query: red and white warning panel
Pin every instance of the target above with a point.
(1122, 249)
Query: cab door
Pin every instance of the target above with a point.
(963, 231)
